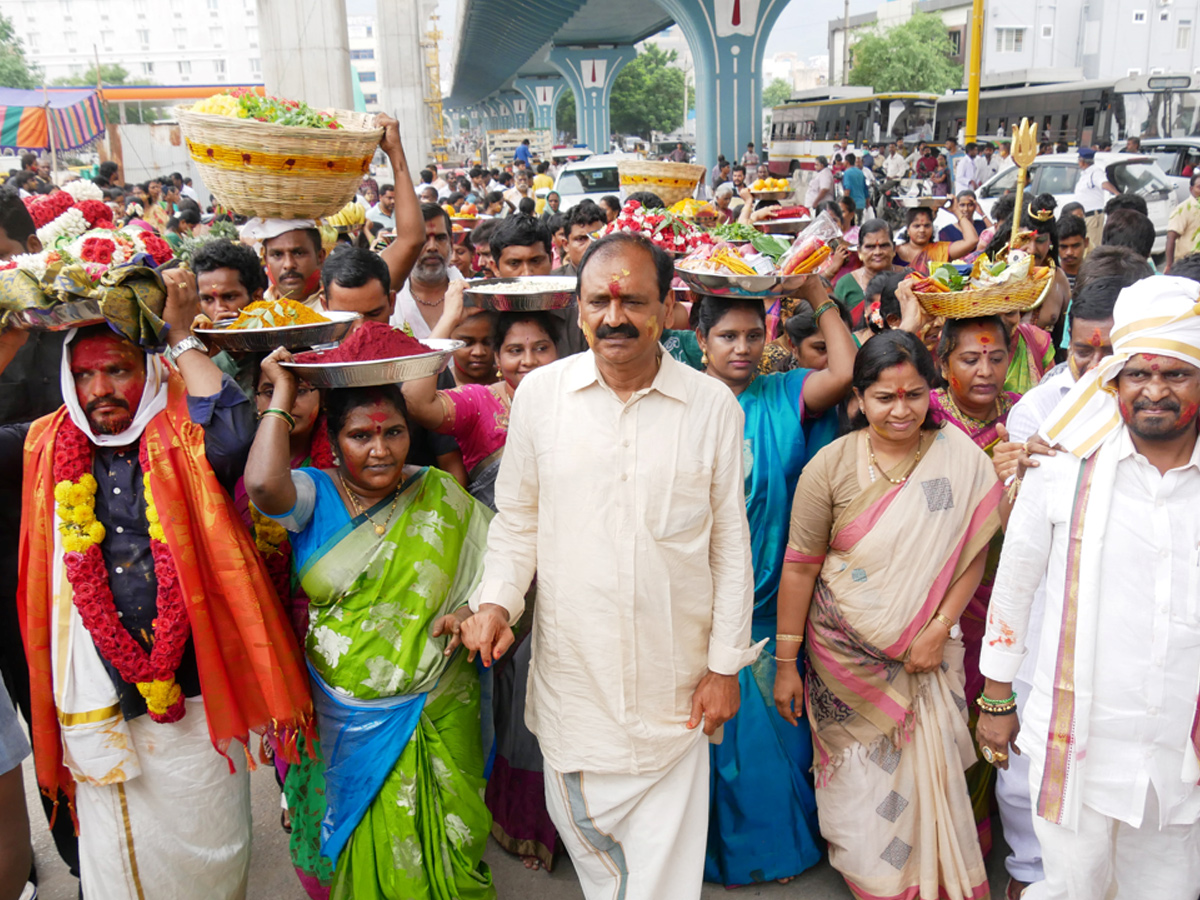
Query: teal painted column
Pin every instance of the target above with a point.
(727, 39)
(543, 95)
(590, 72)
(518, 108)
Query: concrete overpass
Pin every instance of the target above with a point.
(534, 50)
(515, 57)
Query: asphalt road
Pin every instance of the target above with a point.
(272, 877)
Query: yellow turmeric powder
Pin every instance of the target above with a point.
(276, 314)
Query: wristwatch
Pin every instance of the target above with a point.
(191, 342)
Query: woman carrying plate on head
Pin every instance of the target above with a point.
(476, 416)
(388, 555)
(762, 820)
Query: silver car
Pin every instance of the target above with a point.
(1056, 173)
(588, 179)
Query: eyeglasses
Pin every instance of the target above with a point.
(268, 392)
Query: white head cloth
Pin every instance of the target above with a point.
(1158, 316)
(154, 399)
(256, 230)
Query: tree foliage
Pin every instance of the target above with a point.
(110, 73)
(647, 95)
(15, 70)
(914, 56)
(775, 93)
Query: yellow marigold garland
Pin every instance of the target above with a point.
(77, 514)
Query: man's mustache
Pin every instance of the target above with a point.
(625, 330)
(1168, 405)
(110, 400)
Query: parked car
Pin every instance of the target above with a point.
(587, 179)
(1057, 173)
(1178, 158)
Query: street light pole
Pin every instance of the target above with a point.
(976, 64)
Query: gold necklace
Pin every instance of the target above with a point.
(874, 463)
(380, 530)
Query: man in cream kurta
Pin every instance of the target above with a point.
(1111, 721)
(622, 487)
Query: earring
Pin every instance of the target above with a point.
(704, 357)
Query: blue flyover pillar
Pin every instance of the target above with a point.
(727, 39)
(590, 71)
(518, 108)
(543, 95)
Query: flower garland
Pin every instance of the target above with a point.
(153, 673)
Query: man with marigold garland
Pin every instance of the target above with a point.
(155, 642)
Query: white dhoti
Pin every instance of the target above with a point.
(181, 829)
(635, 837)
(1107, 859)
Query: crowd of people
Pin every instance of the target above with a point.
(693, 589)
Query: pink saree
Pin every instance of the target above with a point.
(891, 747)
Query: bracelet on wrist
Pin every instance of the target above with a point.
(797, 638)
(281, 414)
(945, 620)
(992, 707)
(823, 308)
(784, 658)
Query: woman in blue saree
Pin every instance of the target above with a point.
(388, 555)
(763, 817)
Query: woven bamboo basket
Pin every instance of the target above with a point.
(280, 171)
(1019, 296)
(671, 181)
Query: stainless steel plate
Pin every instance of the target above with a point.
(741, 287)
(927, 202)
(783, 226)
(377, 371)
(59, 317)
(530, 293)
(772, 195)
(293, 337)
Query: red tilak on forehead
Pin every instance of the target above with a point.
(614, 285)
(1097, 339)
(379, 417)
(101, 353)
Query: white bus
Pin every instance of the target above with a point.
(810, 126)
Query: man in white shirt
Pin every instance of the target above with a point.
(987, 163)
(381, 217)
(420, 301)
(965, 176)
(621, 487)
(1091, 189)
(1005, 155)
(1112, 721)
(820, 186)
(1090, 344)
(896, 166)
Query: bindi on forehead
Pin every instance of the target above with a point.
(614, 283)
(1097, 339)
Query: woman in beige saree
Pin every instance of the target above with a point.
(889, 534)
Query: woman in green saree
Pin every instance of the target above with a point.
(388, 555)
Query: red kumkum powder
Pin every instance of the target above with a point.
(371, 340)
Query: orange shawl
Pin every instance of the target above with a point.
(252, 674)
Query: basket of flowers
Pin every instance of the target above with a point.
(87, 271)
(671, 181)
(1009, 283)
(263, 156)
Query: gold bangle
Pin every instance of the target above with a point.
(784, 659)
(281, 415)
(798, 638)
(945, 620)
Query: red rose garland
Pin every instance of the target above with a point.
(152, 673)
